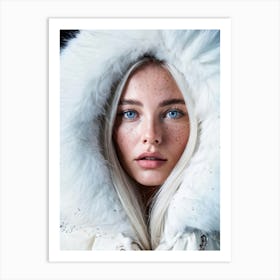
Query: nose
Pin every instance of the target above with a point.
(152, 132)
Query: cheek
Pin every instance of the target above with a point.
(124, 138)
(178, 133)
(178, 136)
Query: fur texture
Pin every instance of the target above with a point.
(90, 66)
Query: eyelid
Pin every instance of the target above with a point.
(181, 112)
(123, 112)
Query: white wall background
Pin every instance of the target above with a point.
(24, 139)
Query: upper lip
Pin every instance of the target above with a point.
(155, 156)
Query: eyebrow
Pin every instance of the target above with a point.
(130, 102)
(161, 104)
(172, 102)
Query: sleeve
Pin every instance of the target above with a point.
(198, 240)
(195, 240)
(88, 238)
(116, 242)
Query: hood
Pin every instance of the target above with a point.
(91, 64)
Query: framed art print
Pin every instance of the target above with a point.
(139, 142)
(139, 139)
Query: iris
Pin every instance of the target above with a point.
(174, 114)
(129, 115)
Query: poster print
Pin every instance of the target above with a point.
(139, 140)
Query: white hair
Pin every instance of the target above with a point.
(148, 231)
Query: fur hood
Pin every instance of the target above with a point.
(91, 64)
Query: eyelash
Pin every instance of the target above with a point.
(124, 114)
(179, 112)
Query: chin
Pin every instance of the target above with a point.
(149, 178)
(151, 182)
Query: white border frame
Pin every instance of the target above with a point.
(55, 25)
(255, 190)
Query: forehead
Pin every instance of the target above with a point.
(151, 80)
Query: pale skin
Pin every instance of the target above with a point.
(152, 126)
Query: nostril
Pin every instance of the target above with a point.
(151, 141)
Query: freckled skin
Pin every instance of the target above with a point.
(153, 127)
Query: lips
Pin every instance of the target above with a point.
(150, 160)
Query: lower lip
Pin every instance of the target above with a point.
(150, 164)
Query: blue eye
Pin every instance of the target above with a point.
(129, 114)
(174, 114)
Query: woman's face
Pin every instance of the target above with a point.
(152, 125)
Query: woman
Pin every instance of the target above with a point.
(140, 141)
